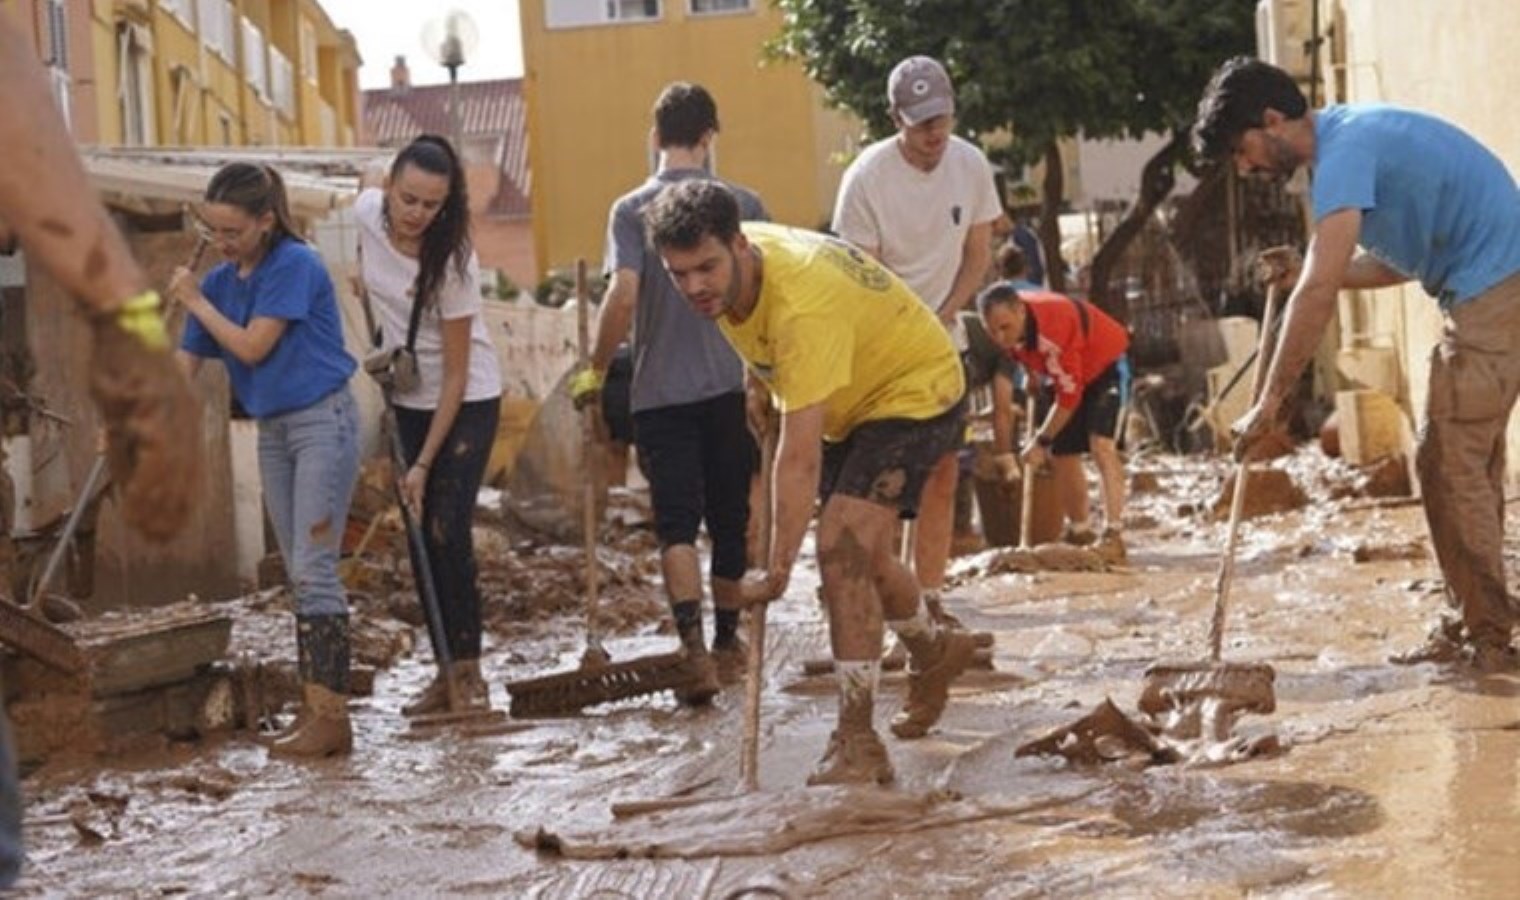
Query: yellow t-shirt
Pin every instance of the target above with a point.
(833, 326)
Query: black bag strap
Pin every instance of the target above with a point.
(1081, 306)
(369, 314)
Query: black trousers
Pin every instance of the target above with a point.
(448, 511)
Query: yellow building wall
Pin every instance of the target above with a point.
(590, 91)
(1456, 60)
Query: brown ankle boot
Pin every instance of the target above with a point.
(855, 755)
(474, 693)
(932, 667)
(326, 730)
(433, 698)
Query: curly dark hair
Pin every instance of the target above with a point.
(447, 237)
(1237, 96)
(686, 212)
(684, 113)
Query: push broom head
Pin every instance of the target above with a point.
(567, 693)
(1243, 687)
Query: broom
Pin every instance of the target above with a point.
(597, 679)
(1234, 687)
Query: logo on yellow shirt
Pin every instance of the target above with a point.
(864, 270)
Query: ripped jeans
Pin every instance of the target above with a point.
(309, 461)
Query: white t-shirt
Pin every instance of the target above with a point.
(916, 221)
(389, 276)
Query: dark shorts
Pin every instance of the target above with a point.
(699, 459)
(887, 461)
(617, 400)
(1098, 414)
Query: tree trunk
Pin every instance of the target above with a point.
(1054, 194)
(1156, 181)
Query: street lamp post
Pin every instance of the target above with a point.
(449, 41)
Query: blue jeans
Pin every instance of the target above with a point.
(309, 460)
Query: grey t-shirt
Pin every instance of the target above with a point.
(678, 356)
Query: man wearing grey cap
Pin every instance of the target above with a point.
(923, 201)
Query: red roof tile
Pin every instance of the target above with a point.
(488, 109)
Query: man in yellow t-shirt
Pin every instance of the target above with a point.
(871, 394)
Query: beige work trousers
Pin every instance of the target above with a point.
(1474, 382)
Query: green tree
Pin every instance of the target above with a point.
(1037, 72)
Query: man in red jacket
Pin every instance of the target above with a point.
(1077, 348)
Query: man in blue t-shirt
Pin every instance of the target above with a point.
(1425, 201)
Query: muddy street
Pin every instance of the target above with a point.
(1394, 781)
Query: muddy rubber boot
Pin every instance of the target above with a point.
(474, 692)
(932, 666)
(855, 755)
(326, 731)
(731, 661)
(1110, 547)
(323, 647)
(433, 698)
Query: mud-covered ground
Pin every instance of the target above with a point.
(1397, 781)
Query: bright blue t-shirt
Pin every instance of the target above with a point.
(309, 361)
(1436, 204)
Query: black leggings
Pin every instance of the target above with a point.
(448, 511)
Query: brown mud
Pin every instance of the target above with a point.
(1400, 780)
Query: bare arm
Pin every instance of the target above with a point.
(976, 256)
(1312, 303)
(45, 194)
(188, 362)
(616, 317)
(1002, 413)
(249, 345)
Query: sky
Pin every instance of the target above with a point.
(384, 30)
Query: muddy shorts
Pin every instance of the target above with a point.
(887, 461)
(1097, 414)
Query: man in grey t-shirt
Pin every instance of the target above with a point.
(687, 398)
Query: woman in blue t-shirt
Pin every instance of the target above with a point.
(270, 315)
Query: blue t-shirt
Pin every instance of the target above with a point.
(309, 361)
(1436, 204)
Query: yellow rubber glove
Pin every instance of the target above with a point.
(585, 387)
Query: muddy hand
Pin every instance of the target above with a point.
(1036, 457)
(153, 425)
(413, 487)
(1250, 428)
(1008, 469)
(1279, 267)
(760, 588)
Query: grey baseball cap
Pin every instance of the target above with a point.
(918, 90)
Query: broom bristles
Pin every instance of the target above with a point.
(1247, 686)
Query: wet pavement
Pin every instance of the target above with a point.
(1397, 781)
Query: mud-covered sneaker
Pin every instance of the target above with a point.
(1110, 547)
(1446, 643)
(929, 681)
(704, 679)
(855, 756)
(731, 660)
(1078, 535)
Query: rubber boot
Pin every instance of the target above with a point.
(323, 728)
(326, 730)
(933, 664)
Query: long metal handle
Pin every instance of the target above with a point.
(61, 549)
(422, 574)
(591, 461)
(1242, 473)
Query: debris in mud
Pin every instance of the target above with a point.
(764, 824)
(1406, 550)
(1107, 735)
(1051, 557)
(1268, 491)
(1144, 482)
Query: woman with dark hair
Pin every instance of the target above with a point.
(419, 269)
(270, 315)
